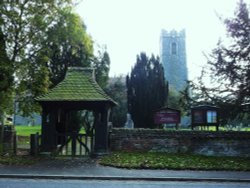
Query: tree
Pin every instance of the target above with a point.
(101, 63)
(116, 89)
(146, 90)
(24, 25)
(6, 79)
(67, 45)
(6, 86)
(229, 67)
(73, 47)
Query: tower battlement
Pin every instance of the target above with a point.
(173, 33)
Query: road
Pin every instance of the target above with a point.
(38, 183)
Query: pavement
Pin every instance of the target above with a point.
(90, 169)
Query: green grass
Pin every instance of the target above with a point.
(174, 161)
(233, 129)
(27, 130)
(210, 128)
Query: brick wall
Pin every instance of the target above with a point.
(197, 142)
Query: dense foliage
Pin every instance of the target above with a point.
(24, 26)
(116, 89)
(67, 45)
(146, 90)
(6, 78)
(101, 63)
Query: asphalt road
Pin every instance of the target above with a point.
(38, 183)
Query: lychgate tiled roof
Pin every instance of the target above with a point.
(78, 85)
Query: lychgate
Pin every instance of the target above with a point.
(78, 91)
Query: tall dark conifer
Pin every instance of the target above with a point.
(146, 90)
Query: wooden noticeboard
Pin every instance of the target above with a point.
(205, 115)
(167, 116)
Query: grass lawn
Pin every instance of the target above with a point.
(174, 161)
(22, 130)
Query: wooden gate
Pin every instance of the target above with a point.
(74, 144)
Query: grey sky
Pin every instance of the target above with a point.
(128, 27)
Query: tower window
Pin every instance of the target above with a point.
(174, 48)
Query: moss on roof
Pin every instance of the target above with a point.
(78, 85)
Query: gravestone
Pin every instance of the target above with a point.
(129, 122)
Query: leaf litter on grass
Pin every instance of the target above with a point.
(174, 161)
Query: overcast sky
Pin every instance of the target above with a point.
(128, 27)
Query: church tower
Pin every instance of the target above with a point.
(173, 58)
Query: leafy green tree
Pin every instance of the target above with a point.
(42, 39)
(229, 68)
(6, 86)
(6, 78)
(173, 99)
(101, 63)
(146, 90)
(186, 100)
(116, 89)
(181, 100)
(24, 25)
(67, 44)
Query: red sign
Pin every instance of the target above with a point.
(166, 117)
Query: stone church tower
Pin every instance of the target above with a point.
(173, 58)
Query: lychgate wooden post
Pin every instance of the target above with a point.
(101, 132)
(48, 141)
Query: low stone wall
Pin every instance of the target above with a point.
(196, 142)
